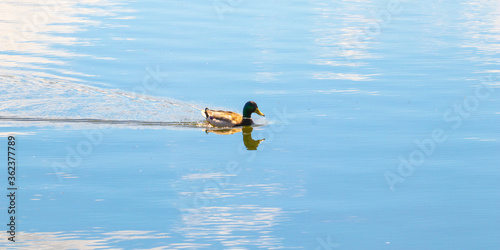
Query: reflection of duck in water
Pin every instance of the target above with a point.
(220, 118)
(250, 143)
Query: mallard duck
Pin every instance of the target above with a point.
(220, 118)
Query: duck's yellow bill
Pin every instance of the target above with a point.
(257, 111)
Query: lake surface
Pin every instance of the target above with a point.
(381, 127)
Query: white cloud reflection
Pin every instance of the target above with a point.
(31, 35)
(342, 76)
(82, 239)
(482, 30)
(219, 213)
(348, 91)
(224, 224)
(338, 27)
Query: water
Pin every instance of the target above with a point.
(104, 101)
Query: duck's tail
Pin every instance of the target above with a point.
(205, 112)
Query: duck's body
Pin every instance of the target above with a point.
(221, 118)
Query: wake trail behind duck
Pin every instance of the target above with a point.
(35, 99)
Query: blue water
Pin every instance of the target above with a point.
(381, 127)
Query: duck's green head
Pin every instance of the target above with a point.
(251, 107)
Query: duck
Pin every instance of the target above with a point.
(221, 118)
